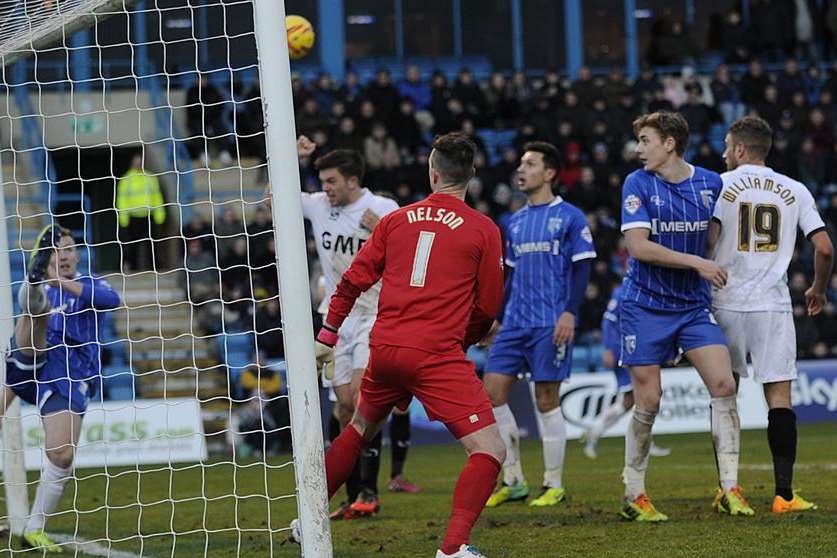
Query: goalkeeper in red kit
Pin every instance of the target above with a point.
(440, 262)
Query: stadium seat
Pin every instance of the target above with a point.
(236, 352)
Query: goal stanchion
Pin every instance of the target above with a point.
(283, 168)
(14, 470)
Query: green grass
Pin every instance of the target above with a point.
(412, 525)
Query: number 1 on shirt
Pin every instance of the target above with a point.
(423, 247)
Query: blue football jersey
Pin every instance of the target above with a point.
(678, 217)
(543, 242)
(611, 338)
(74, 332)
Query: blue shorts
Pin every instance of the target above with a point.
(623, 375)
(623, 379)
(22, 373)
(654, 336)
(518, 349)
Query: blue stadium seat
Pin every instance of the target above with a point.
(581, 358)
(236, 351)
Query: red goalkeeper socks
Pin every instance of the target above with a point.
(472, 491)
(341, 457)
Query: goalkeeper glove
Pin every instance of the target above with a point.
(324, 351)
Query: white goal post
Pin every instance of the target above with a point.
(275, 77)
(68, 94)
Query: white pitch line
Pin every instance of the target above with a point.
(756, 466)
(91, 548)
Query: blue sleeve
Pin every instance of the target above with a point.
(578, 285)
(511, 259)
(98, 294)
(581, 239)
(634, 208)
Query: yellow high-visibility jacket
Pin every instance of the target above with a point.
(137, 194)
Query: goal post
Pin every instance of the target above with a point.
(14, 470)
(174, 457)
(283, 169)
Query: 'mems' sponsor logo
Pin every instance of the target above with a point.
(665, 227)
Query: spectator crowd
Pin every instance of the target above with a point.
(589, 119)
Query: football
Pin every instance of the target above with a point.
(300, 36)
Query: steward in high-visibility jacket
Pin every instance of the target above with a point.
(137, 194)
(141, 210)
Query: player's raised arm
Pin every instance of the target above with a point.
(304, 147)
(489, 290)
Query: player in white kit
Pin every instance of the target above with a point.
(342, 218)
(753, 231)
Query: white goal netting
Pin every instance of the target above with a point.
(138, 126)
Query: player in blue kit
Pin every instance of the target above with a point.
(549, 248)
(54, 362)
(666, 209)
(612, 342)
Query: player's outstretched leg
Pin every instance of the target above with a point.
(554, 437)
(781, 436)
(485, 454)
(352, 483)
(637, 505)
(62, 429)
(611, 415)
(344, 409)
(715, 369)
(399, 434)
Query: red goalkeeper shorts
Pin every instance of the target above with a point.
(447, 385)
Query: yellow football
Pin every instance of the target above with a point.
(300, 36)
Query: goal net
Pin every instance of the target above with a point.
(148, 131)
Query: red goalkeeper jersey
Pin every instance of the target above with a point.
(442, 270)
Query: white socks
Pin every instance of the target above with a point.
(726, 435)
(50, 488)
(637, 446)
(512, 469)
(607, 419)
(554, 436)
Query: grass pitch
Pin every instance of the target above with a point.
(196, 504)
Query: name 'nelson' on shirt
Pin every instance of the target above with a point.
(754, 183)
(435, 214)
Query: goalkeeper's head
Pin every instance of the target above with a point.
(65, 258)
(452, 163)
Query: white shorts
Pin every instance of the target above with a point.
(769, 338)
(352, 350)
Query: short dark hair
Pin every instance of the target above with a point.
(551, 155)
(754, 133)
(453, 156)
(347, 161)
(668, 125)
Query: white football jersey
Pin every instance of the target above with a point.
(759, 211)
(339, 236)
